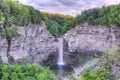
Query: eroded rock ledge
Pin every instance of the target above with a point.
(93, 38)
(36, 44)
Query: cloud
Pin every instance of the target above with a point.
(65, 2)
(71, 7)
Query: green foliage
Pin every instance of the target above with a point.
(1, 65)
(98, 16)
(18, 14)
(26, 72)
(1, 61)
(53, 27)
(2, 18)
(102, 73)
(102, 70)
(104, 16)
(57, 24)
(8, 32)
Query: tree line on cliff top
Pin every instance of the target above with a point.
(12, 12)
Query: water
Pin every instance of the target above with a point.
(60, 52)
(61, 69)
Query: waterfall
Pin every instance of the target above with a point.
(61, 68)
(60, 52)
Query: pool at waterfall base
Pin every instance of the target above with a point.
(62, 71)
(60, 68)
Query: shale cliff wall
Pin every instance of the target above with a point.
(35, 43)
(85, 38)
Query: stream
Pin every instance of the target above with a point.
(83, 67)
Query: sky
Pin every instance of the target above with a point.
(67, 7)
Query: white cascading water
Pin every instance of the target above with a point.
(60, 52)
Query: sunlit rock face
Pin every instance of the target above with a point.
(33, 43)
(85, 38)
(36, 44)
(3, 49)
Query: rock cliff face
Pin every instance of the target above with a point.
(85, 38)
(33, 43)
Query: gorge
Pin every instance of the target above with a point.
(38, 41)
(36, 44)
(33, 44)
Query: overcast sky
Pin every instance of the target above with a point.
(71, 7)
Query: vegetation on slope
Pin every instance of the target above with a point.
(104, 16)
(56, 23)
(103, 69)
(18, 14)
(25, 72)
(98, 16)
(15, 13)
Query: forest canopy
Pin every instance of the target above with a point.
(104, 16)
(12, 12)
(18, 14)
